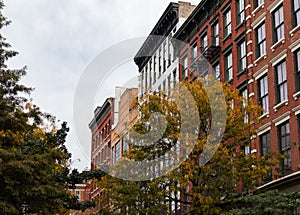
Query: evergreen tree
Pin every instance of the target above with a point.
(33, 156)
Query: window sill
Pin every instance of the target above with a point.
(239, 25)
(264, 115)
(292, 32)
(262, 5)
(241, 72)
(264, 56)
(296, 95)
(230, 81)
(279, 42)
(227, 37)
(279, 105)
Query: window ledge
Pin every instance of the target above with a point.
(279, 105)
(279, 42)
(230, 81)
(292, 32)
(264, 115)
(225, 38)
(296, 95)
(239, 25)
(241, 72)
(264, 56)
(262, 5)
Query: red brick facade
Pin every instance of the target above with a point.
(101, 142)
(277, 61)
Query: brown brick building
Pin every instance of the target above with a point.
(127, 116)
(255, 46)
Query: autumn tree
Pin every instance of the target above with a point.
(212, 125)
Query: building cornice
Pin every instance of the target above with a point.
(163, 27)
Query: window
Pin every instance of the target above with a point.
(215, 34)
(184, 66)
(228, 67)
(285, 147)
(78, 194)
(113, 154)
(244, 95)
(281, 82)
(142, 84)
(169, 85)
(240, 11)
(194, 51)
(258, 2)
(297, 64)
(164, 86)
(124, 144)
(204, 42)
(260, 40)
(154, 69)
(227, 23)
(265, 147)
(298, 117)
(296, 13)
(278, 21)
(242, 56)
(159, 62)
(174, 77)
(216, 69)
(150, 71)
(146, 78)
(164, 56)
(118, 151)
(263, 93)
(169, 51)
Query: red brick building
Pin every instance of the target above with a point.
(100, 127)
(255, 46)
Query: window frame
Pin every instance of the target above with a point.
(204, 41)
(267, 136)
(260, 41)
(215, 33)
(240, 12)
(297, 69)
(296, 13)
(286, 150)
(242, 59)
(282, 83)
(257, 3)
(228, 68)
(278, 28)
(215, 65)
(227, 23)
(263, 100)
(184, 68)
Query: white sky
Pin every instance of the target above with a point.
(57, 39)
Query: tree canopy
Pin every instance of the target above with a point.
(193, 186)
(34, 170)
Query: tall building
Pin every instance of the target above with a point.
(100, 127)
(127, 116)
(255, 46)
(156, 60)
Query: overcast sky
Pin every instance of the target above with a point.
(57, 39)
